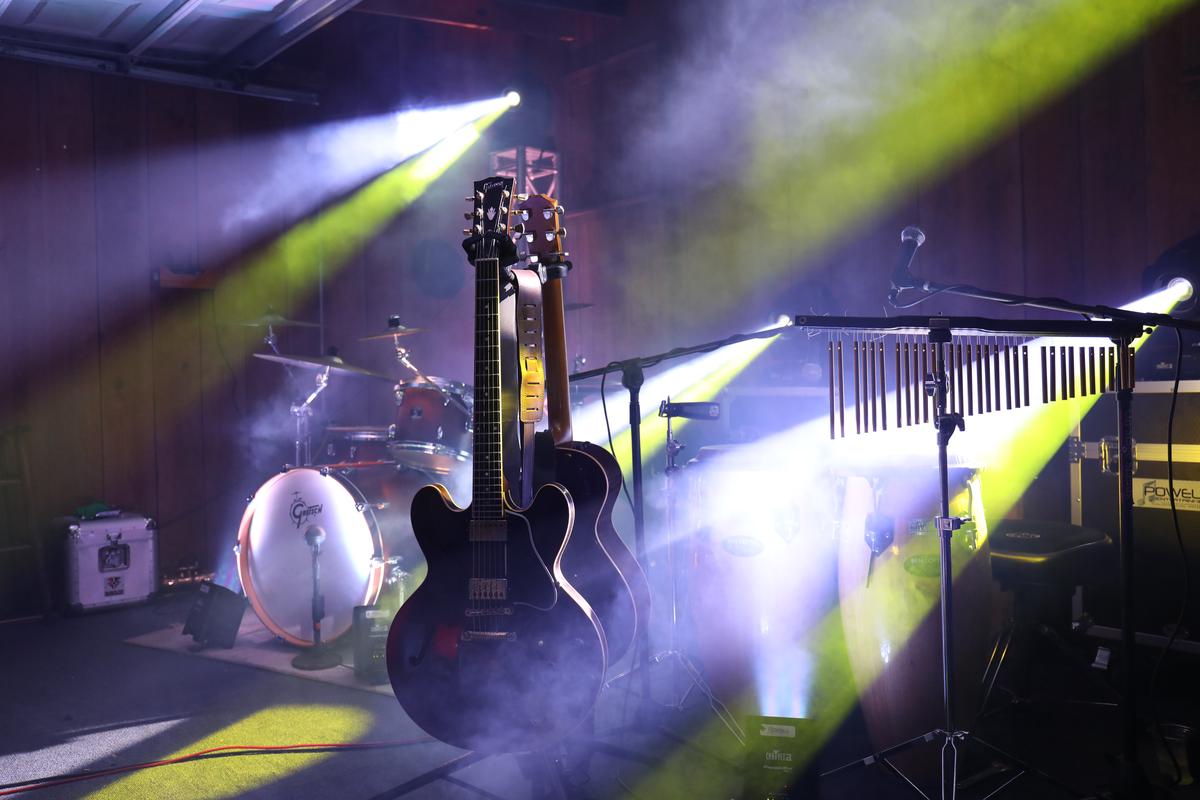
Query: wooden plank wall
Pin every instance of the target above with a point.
(1074, 200)
(138, 395)
(142, 396)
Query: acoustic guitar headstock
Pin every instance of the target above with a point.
(538, 228)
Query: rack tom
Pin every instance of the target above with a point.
(433, 425)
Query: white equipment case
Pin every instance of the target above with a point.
(111, 561)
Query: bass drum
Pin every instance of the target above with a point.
(365, 515)
(890, 601)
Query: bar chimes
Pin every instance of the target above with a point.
(888, 376)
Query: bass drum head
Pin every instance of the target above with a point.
(275, 562)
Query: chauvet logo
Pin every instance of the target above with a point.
(778, 755)
(302, 512)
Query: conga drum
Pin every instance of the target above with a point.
(889, 573)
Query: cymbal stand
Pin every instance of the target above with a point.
(303, 414)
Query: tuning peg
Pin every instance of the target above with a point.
(502, 227)
(467, 215)
(504, 211)
(507, 194)
(466, 231)
(559, 210)
(562, 233)
(521, 198)
(469, 199)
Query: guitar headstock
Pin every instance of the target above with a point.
(490, 218)
(539, 224)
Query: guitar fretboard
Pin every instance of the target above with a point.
(488, 488)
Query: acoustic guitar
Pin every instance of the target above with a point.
(495, 651)
(614, 584)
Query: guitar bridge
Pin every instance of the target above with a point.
(501, 611)
(489, 636)
(487, 589)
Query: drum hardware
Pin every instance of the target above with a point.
(938, 355)
(302, 413)
(320, 655)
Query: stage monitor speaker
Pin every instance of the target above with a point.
(781, 759)
(371, 624)
(215, 616)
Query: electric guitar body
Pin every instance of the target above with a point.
(588, 562)
(488, 675)
(495, 651)
(597, 562)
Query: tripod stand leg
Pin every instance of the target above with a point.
(949, 768)
(439, 772)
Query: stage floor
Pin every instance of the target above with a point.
(77, 695)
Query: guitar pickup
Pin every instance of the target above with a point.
(501, 611)
(489, 636)
(487, 589)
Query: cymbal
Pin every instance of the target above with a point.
(335, 364)
(399, 330)
(275, 321)
(394, 328)
(577, 306)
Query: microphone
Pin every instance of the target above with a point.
(314, 536)
(911, 238)
(689, 410)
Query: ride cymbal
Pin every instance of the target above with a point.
(335, 364)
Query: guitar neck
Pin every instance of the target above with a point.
(558, 402)
(487, 494)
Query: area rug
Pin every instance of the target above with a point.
(256, 647)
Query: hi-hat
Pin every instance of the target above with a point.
(335, 365)
(393, 329)
(273, 320)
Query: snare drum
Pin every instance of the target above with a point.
(889, 574)
(364, 512)
(433, 425)
(355, 444)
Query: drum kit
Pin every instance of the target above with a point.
(355, 488)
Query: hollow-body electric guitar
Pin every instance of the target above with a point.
(611, 580)
(495, 651)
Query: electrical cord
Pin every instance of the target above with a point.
(224, 751)
(1187, 572)
(608, 428)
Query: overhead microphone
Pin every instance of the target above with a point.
(911, 238)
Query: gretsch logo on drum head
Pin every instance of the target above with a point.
(302, 512)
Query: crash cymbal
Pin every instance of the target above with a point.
(577, 306)
(394, 328)
(274, 321)
(335, 364)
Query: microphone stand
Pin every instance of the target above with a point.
(632, 378)
(1132, 780)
